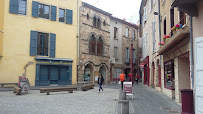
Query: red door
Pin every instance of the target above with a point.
(159, 73)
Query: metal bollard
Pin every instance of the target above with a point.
(123, 95)
(125, 106)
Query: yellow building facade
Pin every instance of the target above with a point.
(41, 31)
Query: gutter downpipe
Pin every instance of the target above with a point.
(192, 52)
(159, 30)
(78, 60)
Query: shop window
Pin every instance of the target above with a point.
(42, 44)
(61, 15)
(43, 11)
(169, 80)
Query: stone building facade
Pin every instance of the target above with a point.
(94, 44)
(150, 35)
(129, 36)
(116, 54)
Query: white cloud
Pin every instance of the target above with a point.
(128, 9)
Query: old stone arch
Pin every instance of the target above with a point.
(103, 72)
(89, 73)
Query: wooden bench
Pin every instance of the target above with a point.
(87, 87)
(17, 90)
(58, 89)
(80, 84)
(2, 84)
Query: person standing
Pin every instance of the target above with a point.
(137, 76)
(122, 79)
(100, 82)
(130, 77)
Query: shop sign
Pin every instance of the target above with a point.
(141, 64)
(128, 88)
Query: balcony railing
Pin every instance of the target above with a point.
(175, 28)
(178, 32)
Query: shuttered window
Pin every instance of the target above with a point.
(53, 13)
(116, 52)
(126, 32)
(52, 45)
(18, 6)
(69, 16)
(133, 34)
(61, 15)
(35, 9)
(33, 43)
(42, 44)
(43, 11)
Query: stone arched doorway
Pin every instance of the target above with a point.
(102, 71)
(88, 73)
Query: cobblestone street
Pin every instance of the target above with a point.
(78, 102)
(146, 101)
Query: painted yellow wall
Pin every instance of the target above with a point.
(1, 26)
(17, 40)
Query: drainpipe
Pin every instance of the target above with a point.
(192, 55)
(78, 44)
(159, 31)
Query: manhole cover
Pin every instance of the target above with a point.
(173, 111)
(166, 108)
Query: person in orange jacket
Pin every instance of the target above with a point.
(122, 79)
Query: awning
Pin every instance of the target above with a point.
(175, 39)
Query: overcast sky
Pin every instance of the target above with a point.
(128, 9)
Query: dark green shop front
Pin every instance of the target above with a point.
(53, 71)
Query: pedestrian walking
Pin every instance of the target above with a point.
(100, 82)
(122, 79)
(137, 76)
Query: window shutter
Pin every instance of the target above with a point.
(69, 16)
(52, 45)
(145, 13)
(13, 8)
(33, 43)
(35, 9)
(150, 1)
(53, 13)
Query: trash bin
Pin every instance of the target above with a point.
(187, 101)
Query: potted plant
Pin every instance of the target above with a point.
(162, 43)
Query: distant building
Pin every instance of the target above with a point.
(94, 44)
(122, 34)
